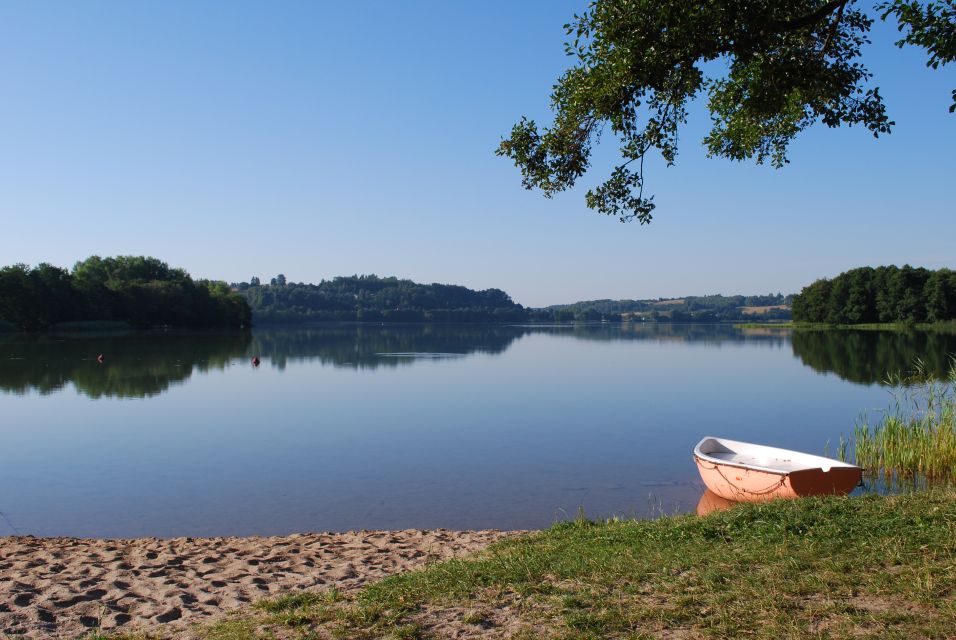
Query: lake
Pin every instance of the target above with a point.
(347, 427)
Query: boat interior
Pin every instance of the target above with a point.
(718, 450)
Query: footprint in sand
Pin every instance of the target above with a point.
(168, 616)
(63, 587)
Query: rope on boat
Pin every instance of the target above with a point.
(761, 492)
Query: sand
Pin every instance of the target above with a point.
(64, 587)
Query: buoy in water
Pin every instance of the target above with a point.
(100, 358)
(255, 361)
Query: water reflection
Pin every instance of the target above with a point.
(135, 365)
(867, 357)
(373, 346)
(707, 334)
(146, 364)
(389, 427)
(710, 502)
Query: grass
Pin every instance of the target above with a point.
(867, 567)
(108, 635)
(915, 440)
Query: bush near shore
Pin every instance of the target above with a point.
(868, 567)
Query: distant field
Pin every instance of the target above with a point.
(759, 311)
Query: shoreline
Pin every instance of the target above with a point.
(944, 326)
(870, 565)
(69, 587)
(826, 567)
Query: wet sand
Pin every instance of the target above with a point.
(64, 587)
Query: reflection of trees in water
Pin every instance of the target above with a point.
(711, 334)
(869, 356)
(363, 346)
(136, 365)
(145, 364)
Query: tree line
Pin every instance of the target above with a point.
(883, 294)
(133, 290)
(139, 292)
(370, 298)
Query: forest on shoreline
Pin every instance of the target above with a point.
(142, 292)
(123, 291)
(370, 298)
(905, 295)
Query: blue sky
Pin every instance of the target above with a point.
(318, 139)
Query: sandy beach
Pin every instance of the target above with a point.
(64, 587)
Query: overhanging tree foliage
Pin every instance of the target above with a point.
(769, 69)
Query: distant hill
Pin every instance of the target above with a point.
(371, 298)
(714, 308)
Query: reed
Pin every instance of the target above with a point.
(914, 442)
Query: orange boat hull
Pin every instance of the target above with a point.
(741, 484)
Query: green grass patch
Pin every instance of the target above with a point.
(237, 629)
(872, 566)
(107, 635)
(299, 600)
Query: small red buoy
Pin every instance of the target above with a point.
(100, 358)
(255, 361)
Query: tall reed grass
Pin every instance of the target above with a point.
(914, 442)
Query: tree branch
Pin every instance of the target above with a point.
(833, 28)
(810, 19)
(740, 46)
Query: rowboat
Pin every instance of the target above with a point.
(746, 472)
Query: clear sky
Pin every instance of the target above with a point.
(320, 139)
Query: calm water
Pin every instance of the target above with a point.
(373, 427)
